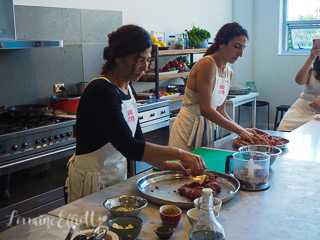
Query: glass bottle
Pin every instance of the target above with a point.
(207, 227)
(252, 86)
(186, 39)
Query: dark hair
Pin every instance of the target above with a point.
(126, 40)
(225, 34)
(316, 67)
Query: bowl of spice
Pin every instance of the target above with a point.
(170, 215)
(125, 205)
(164, 232)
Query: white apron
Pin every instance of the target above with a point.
(300, 112)
(106, 166)
(190, 129)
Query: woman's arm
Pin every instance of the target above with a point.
(158, 156)
(303, 75)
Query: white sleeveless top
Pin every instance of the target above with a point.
(191, 130)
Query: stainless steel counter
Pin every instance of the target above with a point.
(301, 146)
(289, 209)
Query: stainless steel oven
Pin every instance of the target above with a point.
(33, 166)
(154, 117)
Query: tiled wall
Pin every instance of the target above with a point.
(27, 76)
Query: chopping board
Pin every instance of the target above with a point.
(214, 159)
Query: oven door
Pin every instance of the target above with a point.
(33, 185)
(156, 132)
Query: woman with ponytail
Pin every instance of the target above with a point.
(204, 102)
(108, 128)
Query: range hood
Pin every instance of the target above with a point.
(8, 31)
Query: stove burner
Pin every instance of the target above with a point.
(10, 125)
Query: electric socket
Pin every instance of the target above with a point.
(56, 87)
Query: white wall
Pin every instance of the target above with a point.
(242, 12)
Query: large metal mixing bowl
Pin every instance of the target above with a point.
(274, 152)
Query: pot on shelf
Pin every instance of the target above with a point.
(67, 103)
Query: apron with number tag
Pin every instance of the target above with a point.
(190, 130)
(106, 166)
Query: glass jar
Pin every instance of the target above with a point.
(172, 42)
(207, 227)
(180, 43)
(252, 86)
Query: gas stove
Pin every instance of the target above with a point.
(22, 137)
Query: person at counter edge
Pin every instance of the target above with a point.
(204, 102)
(108, 129)
(307, 106)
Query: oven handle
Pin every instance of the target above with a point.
(38, 156)
(147, 124)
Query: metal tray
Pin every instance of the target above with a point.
(159, 187)
(279, 146)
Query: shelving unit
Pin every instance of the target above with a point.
(156, 77)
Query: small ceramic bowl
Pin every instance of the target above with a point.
(130, 233)
(170, 215)
(217, 203)
(194, 213)
(164, 232)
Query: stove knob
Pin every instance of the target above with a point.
(24, 145)
(140, 118)
(14, 147)
(152, 114)
(44, 140)
(69, 134)
(63, 135)
(57, 137)
(50, 138)
(37, 141)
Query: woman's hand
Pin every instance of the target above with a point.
(246, 135)
(315, 105)
(189, 164)
(315, 51)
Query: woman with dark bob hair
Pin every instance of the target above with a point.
(307, 106)
(204, 102)
(108, 128)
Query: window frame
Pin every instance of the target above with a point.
(286, 25)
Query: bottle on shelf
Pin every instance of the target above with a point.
(186, 39)
(207, 227)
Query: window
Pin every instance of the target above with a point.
(301, 24)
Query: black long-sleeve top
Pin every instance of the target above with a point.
(100, 120)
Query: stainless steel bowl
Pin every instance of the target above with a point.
(125, 205)
(274, 152)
